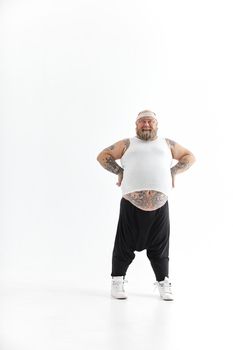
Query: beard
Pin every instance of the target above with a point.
(146, 134)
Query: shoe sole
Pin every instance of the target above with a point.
(119, 298)
(166, 299)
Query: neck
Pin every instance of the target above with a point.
(151, 139)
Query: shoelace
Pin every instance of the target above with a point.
(165, 285)
(119, 282)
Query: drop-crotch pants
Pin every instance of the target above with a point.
(137, 230)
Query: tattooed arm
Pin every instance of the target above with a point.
(183, 155)
(108, 156)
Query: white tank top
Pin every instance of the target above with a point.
(147, 166)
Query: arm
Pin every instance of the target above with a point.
(183, 155)
(107, 157)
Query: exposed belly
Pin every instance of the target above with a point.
(146, 200)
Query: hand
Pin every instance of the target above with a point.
(173, 178)
(120, 177)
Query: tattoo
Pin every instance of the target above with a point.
(110, 148)
(127, 143)
(111, 165)
(171, 143)
(182, 165)
(108, 162)
(147, 200)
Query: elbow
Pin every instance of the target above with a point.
(189, 158)
(192, 158)
(99, 157)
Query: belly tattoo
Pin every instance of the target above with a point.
(147, 199)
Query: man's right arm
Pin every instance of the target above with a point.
(108, 156)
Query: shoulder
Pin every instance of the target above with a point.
(126, 143)
(178, 151)
(117, 149)
(171, 143)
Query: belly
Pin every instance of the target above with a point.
(146, 200)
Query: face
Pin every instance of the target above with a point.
(146, 128)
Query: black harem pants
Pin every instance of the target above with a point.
(137, 230)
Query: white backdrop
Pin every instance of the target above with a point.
(74, 75)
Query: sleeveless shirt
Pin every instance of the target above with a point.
(147, 166)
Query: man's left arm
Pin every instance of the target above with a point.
(183, 155)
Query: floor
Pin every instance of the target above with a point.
(86, 317)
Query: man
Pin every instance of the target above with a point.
(146, 179)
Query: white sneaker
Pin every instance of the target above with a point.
(165, 290)
(117, 290)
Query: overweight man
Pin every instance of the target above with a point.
(146, 177)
